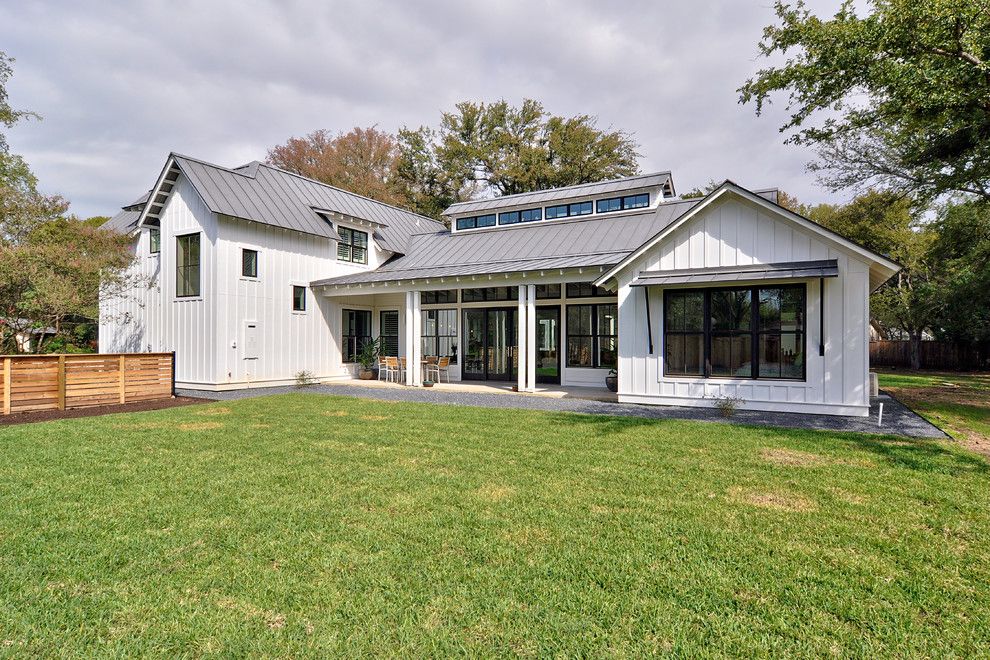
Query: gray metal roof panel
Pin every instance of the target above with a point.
(568, 192)
(593, 240)
(268, 195)
(123, 222)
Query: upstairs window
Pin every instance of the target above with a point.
(623, 203)
(298, 299)
(187, 266)
(477, 221)
(249, 263)
(513, 217)
(154, 240)
(353, 245)
(570, 210)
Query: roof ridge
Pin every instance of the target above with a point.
(573, 185)
(382, 269)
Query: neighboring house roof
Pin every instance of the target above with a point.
(580, 242)
(581, 190)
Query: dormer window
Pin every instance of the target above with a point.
(570, 210)
(512, 217)
(476, 221)
(623, 203)
(353, 245)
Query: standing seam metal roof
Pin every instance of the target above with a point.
(272, 196)
(590, 241)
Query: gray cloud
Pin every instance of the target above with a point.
(123, 84)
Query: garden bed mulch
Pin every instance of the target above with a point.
(137, 406)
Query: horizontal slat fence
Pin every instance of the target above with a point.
(932, 354)
(57, 382)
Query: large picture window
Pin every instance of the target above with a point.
(592, 336)
(753, 332)
(356, 331)
(187, 266)
(353, 245)
(440, 333)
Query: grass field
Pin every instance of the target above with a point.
(311, 525)
(958, 403)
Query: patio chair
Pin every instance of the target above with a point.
(441, 366)
(402, 368)
(382, 368)
(391, 368)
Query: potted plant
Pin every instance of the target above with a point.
(367, 357)
(612, 381)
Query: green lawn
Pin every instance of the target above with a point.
(312, 525)
(958, 403)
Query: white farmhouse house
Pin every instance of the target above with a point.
(258, 274)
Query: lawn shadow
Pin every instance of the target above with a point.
(603, 424)
(923, 455)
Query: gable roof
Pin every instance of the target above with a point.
(272, 196)
(580, 190)
(579, 242)
(881, 268)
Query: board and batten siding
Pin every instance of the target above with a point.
(736, 232)
(150, 317)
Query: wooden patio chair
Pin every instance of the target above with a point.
(440, 367)
(391, 368)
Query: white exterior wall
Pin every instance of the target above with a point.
(153, 319)
(731, 233)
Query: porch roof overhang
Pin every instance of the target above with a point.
(754, 272)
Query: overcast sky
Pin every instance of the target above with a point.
(121, 84)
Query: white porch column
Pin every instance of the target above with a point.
(414, 331)
(521, 333)
(531, 351)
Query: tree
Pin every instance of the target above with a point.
(51, 266)
(503, 150)
(785, 200)
(962, 247)
(899, 98)
(362, 161)
(888, 224)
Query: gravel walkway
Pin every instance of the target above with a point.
(897, 418)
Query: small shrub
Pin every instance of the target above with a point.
(305, 379)
(726, 405)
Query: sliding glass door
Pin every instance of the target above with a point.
(490, 344)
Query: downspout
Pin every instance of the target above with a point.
(821, 316)
(649, 323)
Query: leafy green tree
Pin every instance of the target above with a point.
(500, 149)
(962, 247)
(52, 267)
(898, 98)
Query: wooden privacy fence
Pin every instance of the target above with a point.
(57, 382)
(933, 354)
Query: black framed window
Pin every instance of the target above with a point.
(440, 333)
(154, 240)
(587, 290)
(736, 332)
(356, 332)
(623, 203)
(684, 333)
(592, 336)
(570, 210)
(494, 293)
(442, 297)
(388, 332)
(187, 263)
(353, 245)
(474, 222)
(249, 263)
(298, 299)
(547, 291)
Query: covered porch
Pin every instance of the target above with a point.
(525, 333)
